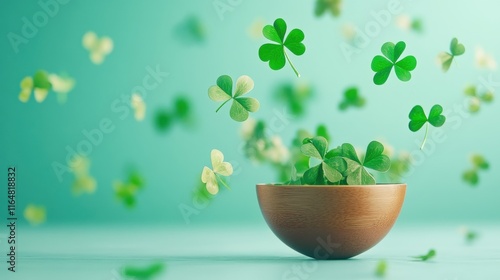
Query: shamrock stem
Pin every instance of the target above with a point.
(425, 136)
(222, 180)
(222, 105)
(291, 64)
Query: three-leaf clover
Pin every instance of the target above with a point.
(431, 254)
(333, 6)
(39, 84)
(382, 66)
(471, 176)
(331, 167)
(356, 168)
(446, 58)
(211, 177)
(276, 53)
(241, 105)
(352, 98)
(476, 99)
(98, 48)
(418, 119)
(295, 96)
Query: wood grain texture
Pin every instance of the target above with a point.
(331, 222)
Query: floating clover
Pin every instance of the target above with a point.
(39, 83)
(98, 48)
(418, 119)
(356, 169)
(381, 269)
(333, 6)
(35, 214)
(446, 58)
(406, 23)
(431, 254)
(484, 60)
(139, 106)
(61, 84)
(352, 98)
(84, 182)
(382, 66)
(276, 53)
(211, 177)
(191, 30)
(476, 99)
(295, 96)
(241, 105)
(471, 176)
(331, 167)
(143, 273)
(322, 131)
(127, 191)
(166, 117)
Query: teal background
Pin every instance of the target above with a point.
(35, 135)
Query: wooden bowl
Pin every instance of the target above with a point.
(331, 222)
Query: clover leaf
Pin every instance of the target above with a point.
(418, 119)
(330, 168)
(219, 168)
(356, 169)
(191, 30)
(382, 66)
(446, 58)
(143, 273)
(241, 105)
(352, 98)
(127, 191)
(181, 112)
(84, 182)
(333, 6)
(99, 48)
(477, 99)
(381, 269)
(471, 236)
(296, 97)
(276, 53)
(39, 83)
(35, 214)
(471, 176)
(431, 254)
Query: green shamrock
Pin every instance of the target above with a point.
(331, 167)
(471, 176)
(191, 30)
(241, 105)
(382, 66)
(182, 112)
(275, 53)
(295, 96)
(127, 191)
(39, 83)
(374, 159)
(333, 6)
(477, 99)
(431, 254)
(352, 98)
(418, 119)
(446, 58)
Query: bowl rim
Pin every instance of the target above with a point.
(379, 185)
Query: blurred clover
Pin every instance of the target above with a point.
(255, 29)
(84, 182)
(35, 214)
(139, 106)
(381, 269)
(471, 176)
(484, 60)
(406, 23)
(322, 131)
(352, 98)
(374, 158)
(191, 30)
(295, 96)
(331, 167)
(62, 85)
(127, 191)
(418, 119)
(181, 112)
(142, 273)
(477, 99)
(211, 177)
(241, 105)
(98, 48)
(276, 53)
(469, 235)
(446, 58)
(332, 6)
(382, 66)
(431, 254)
(39, 83)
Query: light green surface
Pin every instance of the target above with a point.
(248, 253)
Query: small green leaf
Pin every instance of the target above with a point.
(352, 98)
(315, 147)
(329, 170)
(382, 66)
(480, 162)
(374, 159)
(435, 116)
(456, 48)
(418, 119)
(333, 6)
(381, 269)
(471, 177)
(431, 254)
(322, 131)
(143, 273)
(41, 80)
(446, 59)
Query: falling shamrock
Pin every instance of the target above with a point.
(143, 273)
(352, 98)
(295, 96)
(84, 182)
(476, 99)
(381, 269)
(191, 31)
(471, 176)
(35, 214)
(356, 169)
(39, 83)
(406, 23)
(446, 58)
(211, 177)
(331, 167)
(127, 191)
(382, 66)
(333, 6)
(431, 254)
(241, 105)
(61, 84)
(139, 106)
(182, 113)
(276, 53)
(484, 60)
(99, 48)
(418, 119)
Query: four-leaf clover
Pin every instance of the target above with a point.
(275, 53)
(418, 119)
(211, 176)
(241, 105)
(382, 66)
(374, 159)
(331, 167)
(445, 58)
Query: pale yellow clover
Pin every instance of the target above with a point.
(39, 84)
(99, 48)
(34, 214)
(84, 182)
(139, 106)
(61, 85)
(484, 60)
(211, 176)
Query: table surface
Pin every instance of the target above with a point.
(244, 252)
